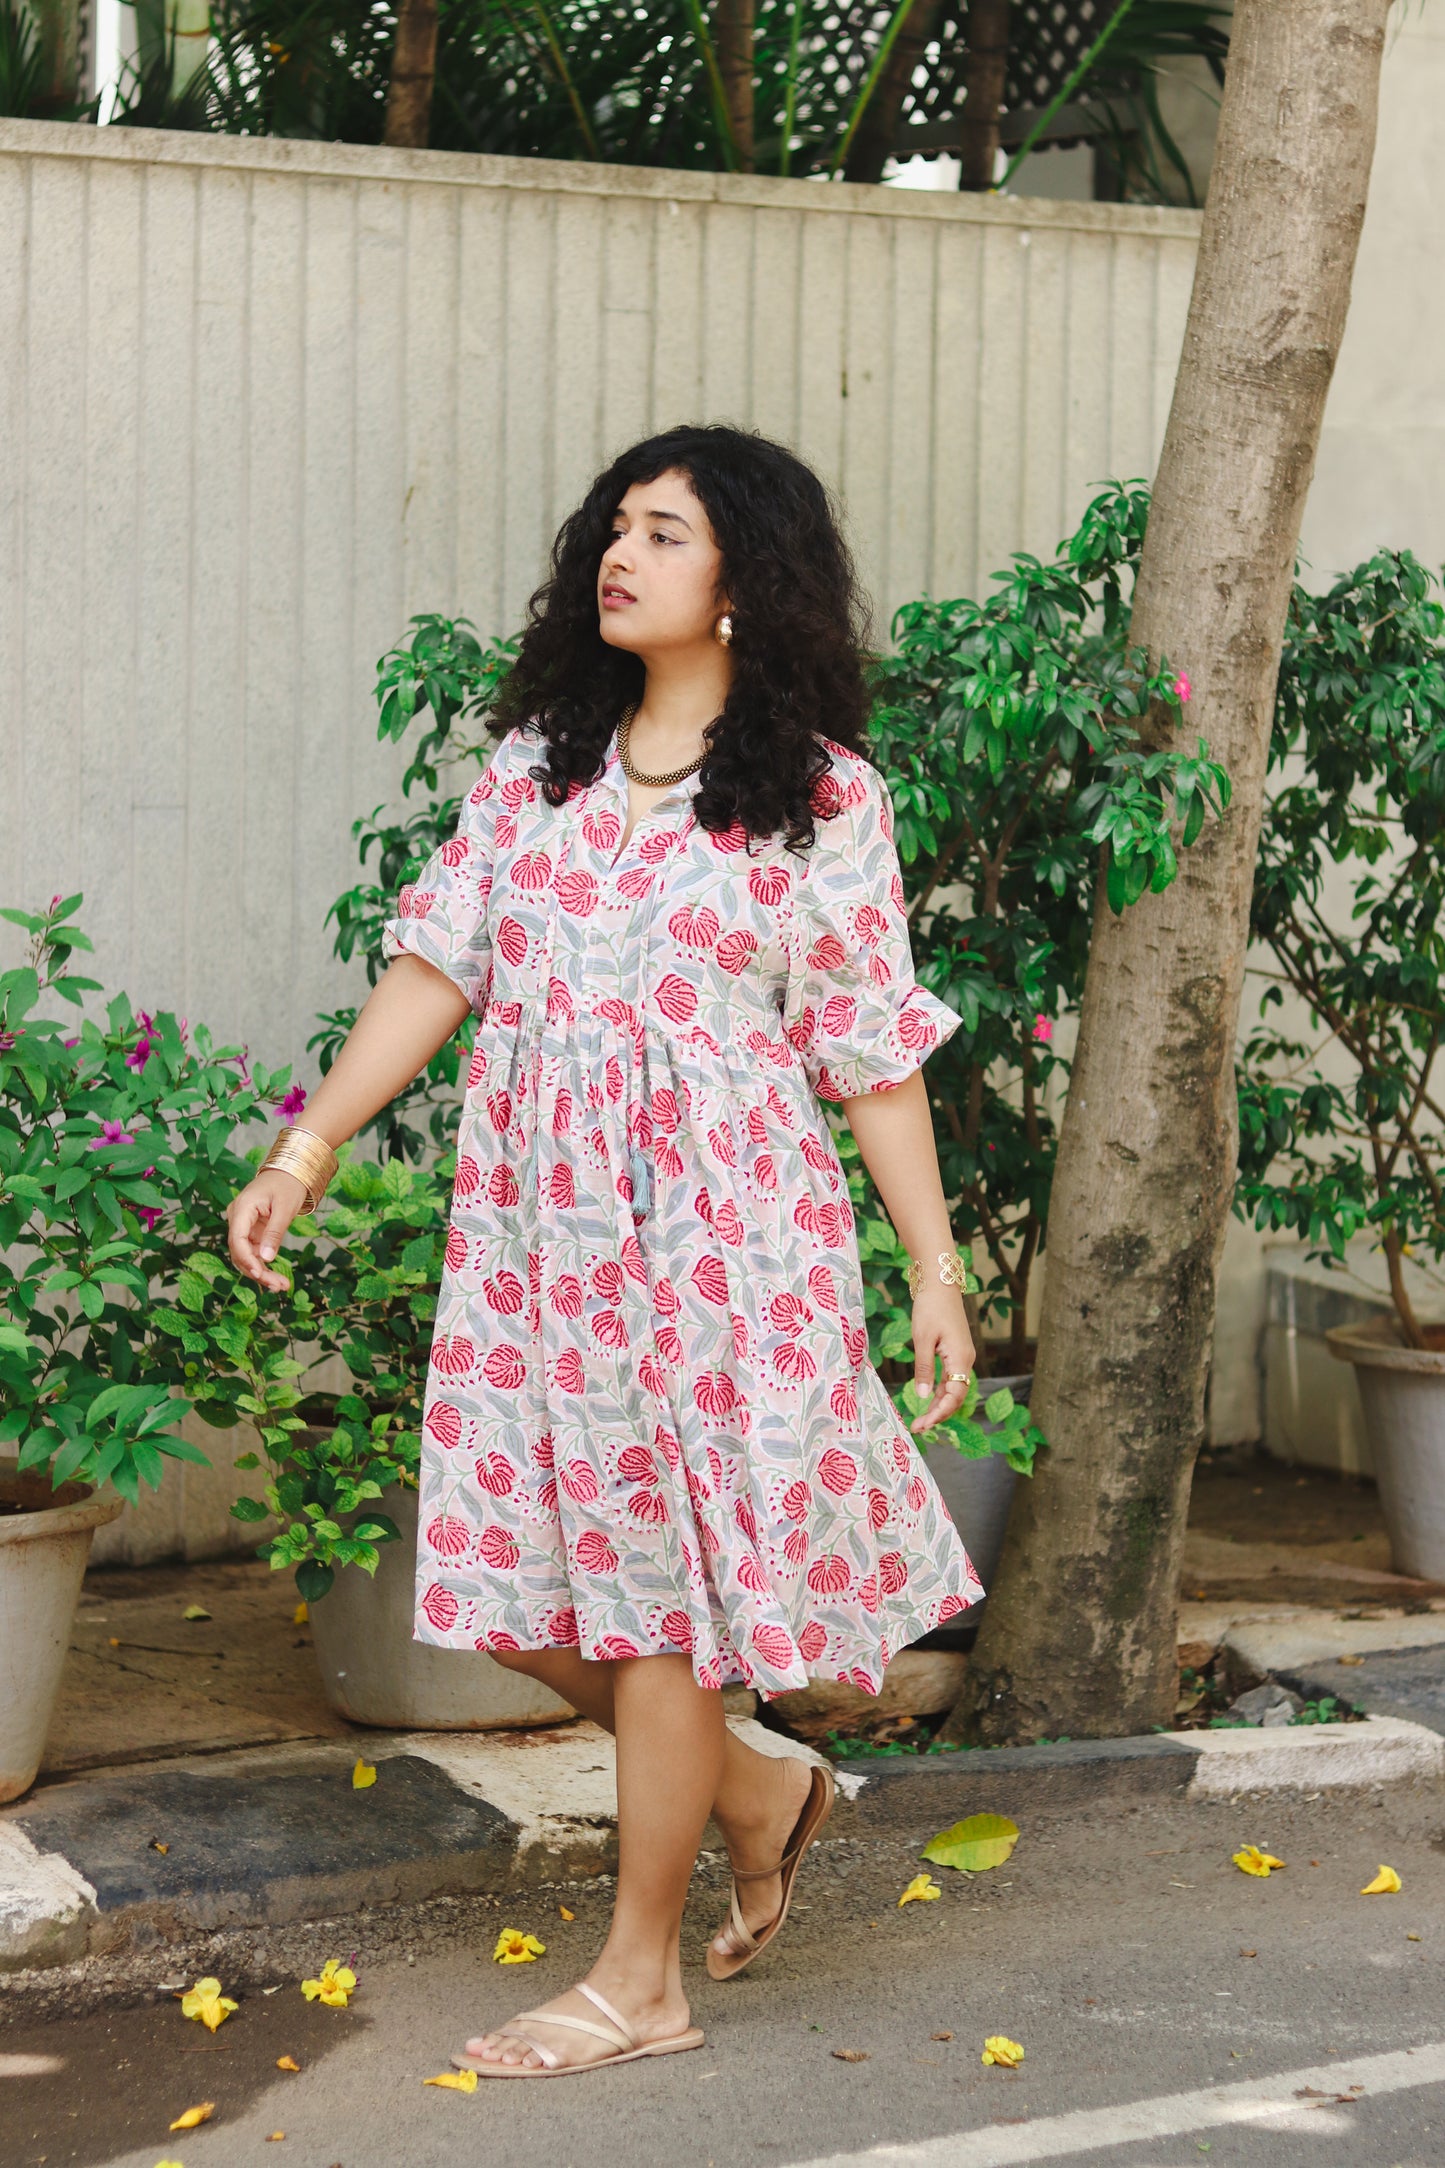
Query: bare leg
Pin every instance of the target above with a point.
(669, 1761)
(759, 1796)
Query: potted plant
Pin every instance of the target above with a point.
(114, 1152)
(1343, 1133)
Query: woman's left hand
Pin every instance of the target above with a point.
(940, 1328)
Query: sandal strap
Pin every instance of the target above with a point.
(576, 2024)
(613, 2017)
(546, 2056)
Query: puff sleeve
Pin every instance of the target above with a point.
(442, 915)
(852, 1006)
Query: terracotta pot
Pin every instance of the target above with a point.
(1402, 1391)
(374, 1673)
(45, 1538)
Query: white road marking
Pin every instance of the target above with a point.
(1273, 2102)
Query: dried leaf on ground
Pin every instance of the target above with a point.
(973, 1845)
(1250, 1860)
(921, 1890)
(1386, 1882)
(334, 1987)
(194, 2116)
(456, 2081)
(999, 2049)
(207, 2004)
(515, 1948)
(850, 2055)
(363, 1776)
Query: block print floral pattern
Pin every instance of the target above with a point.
(651, 1423)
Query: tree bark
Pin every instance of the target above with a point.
(983, 92)
(58, 27)
(876, 139)
(413, 75)
(734, 22)
(1079, 1635)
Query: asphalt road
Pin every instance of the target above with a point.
(1173, 2011)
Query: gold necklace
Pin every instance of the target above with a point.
(635, 775)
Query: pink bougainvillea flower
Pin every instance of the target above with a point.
(294, 1103)
(110, 1133)
(149, 1217)
(70, 1042)
(139, 1055)
(1182, 687)
(1043, 1027)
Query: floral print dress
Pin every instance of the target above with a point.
(651, 1424)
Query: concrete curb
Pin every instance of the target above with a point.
(276, 1835)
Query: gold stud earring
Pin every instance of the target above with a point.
(724, 631)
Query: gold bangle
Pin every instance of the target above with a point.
(300, 1152)
(952, 1271)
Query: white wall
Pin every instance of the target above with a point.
(263, 400)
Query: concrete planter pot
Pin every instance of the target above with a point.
(45, 1538)
(979, 1493)
(1402, 1391)
(374, 1673)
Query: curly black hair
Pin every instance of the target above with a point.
(800, 619)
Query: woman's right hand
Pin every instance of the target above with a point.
(258, 1217)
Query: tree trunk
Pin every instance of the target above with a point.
(733, 24)
(413, 75)
(876, 139)
(983, 92)
(58, 26)
(1079, 1635)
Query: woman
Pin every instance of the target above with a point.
(656, 1457)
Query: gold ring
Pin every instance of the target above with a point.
(958, 1377)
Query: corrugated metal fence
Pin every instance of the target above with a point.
(260, 401)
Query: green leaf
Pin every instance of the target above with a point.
(978, 1842)
(249, 1509)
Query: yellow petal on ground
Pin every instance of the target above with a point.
(1252, 1861)
(274, 2137)
(287, 2062)
(194, 2116)
(515, 1948)
(1384, 1884)
(976, 1843)
(194, 1611)
(363, 1775)
(565, 1914)
(456, 2081)
(205, 2002)
(170, 2164)
(921, 1890)
(334, 1986)
(998, 2048)
(301, 1615)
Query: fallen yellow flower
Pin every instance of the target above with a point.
(170, 2164)
(274, 2137)
(921, 1890)
(334, 1987)
(1252, 1861)
(1003, 2051)
(566, 1915)
(206, 2002)
(193, 2116)
(363, 1775)
(193, 1611)
(1384, 1884)
(301, 1615)
(287, 2062)
(457, 2081)
(515, 1948)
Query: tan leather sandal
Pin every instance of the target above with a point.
(743, 1944)
(617, 2033)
